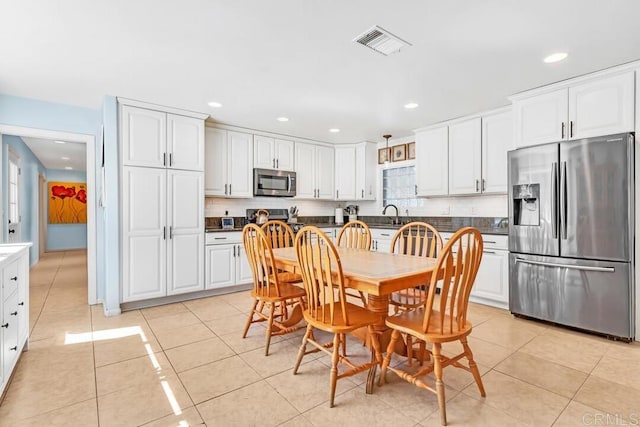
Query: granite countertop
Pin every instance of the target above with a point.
(486, 225)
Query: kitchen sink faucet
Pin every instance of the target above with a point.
(396, 220)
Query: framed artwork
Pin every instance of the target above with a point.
(411, 150)
(399, 152)
(67, 203)
(384, 155)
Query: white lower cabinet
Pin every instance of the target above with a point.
(381, 239)
(162, 233)
(492, 281)
(14, 307)
(226, 261)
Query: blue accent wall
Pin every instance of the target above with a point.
(33, 113)
(30, 168)
(66, 236)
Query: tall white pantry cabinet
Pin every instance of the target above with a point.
(162, 194)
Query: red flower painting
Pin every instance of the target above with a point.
(67, 203)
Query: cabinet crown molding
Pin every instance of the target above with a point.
(607, 72)
(162, 108)
(464, 118)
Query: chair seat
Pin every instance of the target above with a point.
(409, 298)
(358, 317)
(287, 291)
(410, 322)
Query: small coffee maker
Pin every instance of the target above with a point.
(352, 211)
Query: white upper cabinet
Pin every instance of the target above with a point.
(143, 136)
(305, 171)
(263, 152)
(185, 142)
(324, 172)
(215, 175)
(284, 154)
(465, 157)
(229, 163)
(153, 138)
(345, 161)
(270, 153)
(240, 164)
(314, 166)
(541, 119)
(602, 107)
(596, 107)
(497, 140)
(432, 164)
(366, 169)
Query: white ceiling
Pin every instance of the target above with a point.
(51, 153)
(265, 59)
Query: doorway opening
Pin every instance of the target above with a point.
(42, 194)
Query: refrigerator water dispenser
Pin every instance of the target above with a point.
(526, 204)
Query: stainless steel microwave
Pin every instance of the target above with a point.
(276, 183)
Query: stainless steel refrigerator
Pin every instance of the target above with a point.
(571, 228)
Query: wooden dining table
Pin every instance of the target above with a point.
(376, 273)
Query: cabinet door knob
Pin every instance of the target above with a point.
(21, 303)
(484, 184)
(170, 159)
(273, 163)
(6, 325)
(14, 348)
(277, 163)
(363, 193)
(571, 129)
(164, 159)
(477, 186)
(225, 189)
(14, 278)
(15, 313)
(562, 132)
(229, 189)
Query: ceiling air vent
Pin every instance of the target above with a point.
(381, 40)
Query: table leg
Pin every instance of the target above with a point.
(380, 305)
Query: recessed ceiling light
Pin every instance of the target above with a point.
(334, 130)
(214, 104)
(555, 57)
(59, 142)
(64, 158)
(282, 119)
(410, 105)
(68, 167)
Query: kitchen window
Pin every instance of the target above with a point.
(399, 187)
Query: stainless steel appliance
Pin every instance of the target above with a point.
(571, 228)
(277, 183)
(352, 211)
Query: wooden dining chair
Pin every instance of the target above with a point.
(327, 308)
(270, 296)
(416, 239)
(355, 234)
(442, 319)
(280, 235)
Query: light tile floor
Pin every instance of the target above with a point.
(186, 364)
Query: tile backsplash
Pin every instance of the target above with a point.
(484, 206)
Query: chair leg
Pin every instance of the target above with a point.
(272, 310)
(303, 348)
(250, 319)
(334, 368)
(343, 342)
(437, 370)
(363, 299)
(473, 366)
(387, 360)
(409, 350)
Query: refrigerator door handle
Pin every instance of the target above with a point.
(572, 267)
(563, 200)
(554, 200)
